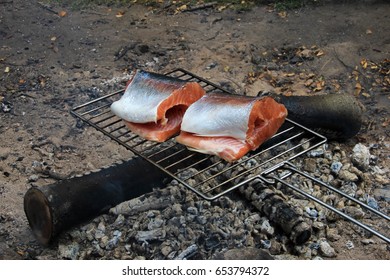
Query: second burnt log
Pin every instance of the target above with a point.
(278, 210)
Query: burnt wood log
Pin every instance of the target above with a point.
(336, 116)
(279, 211)
(53, 208)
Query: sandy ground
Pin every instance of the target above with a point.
(51, 63)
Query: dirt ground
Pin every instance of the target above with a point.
(51, 62)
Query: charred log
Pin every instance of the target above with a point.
(53, 208)
(279, 211)
(336, 116)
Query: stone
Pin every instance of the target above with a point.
(361, 156)
(349, 245)
(336, 167)
(354, 212)
(70, 251)
(348, 176)
(349, 188)
(33, 178)
(367, 241)
(382, 193)
(332, 234)
(310, 165)
(326, 250)
(100, 231)
(266, 228)
(247, 253)
(155, 223)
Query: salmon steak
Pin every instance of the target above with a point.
(153, 105)
(230, 126)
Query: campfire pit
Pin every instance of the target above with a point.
(210, 177)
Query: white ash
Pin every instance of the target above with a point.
(175, 223)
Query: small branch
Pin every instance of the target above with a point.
(46, 7)
(121, 52)
(199, 7)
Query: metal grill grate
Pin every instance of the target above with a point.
(211, 177)
(208, 176)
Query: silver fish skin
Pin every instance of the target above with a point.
(218, 114)
(143, 96)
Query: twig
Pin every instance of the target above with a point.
(93, 13)
(11, 64)
(46, 7)
(199, 7)
(341, 61)
(122, 51)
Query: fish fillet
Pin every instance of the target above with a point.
(153, 105)
(230, 125)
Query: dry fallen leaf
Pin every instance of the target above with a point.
(309, 82)
(319, 53)
(368, 32)
(120, 14)
(181, 8)
(282, 14)
(358, 88)
(62, 13)
(221, 8)
(319, 85)
(364, 63)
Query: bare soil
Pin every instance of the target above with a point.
(51, 63)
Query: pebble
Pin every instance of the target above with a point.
(100, 231)
(382, 193)
(313, 213)
(192, 210)
(201, 219)
(361, 156)
(354, 212)
(155, 223)
(332, 234)
(166, 250)
(310, 165)
(276, 248)
(266, 228)
(266, 244)
(367, 241)
(349, 188)
(113, 242)
(326, 250)
(246, 253)
(372, 202)
(316, 152)
(336, 167)
(348, 176)
(119, 220)
(349, 245)
(69, 252)
(33, 178)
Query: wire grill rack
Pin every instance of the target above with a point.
(209, 176)
(206, 175)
